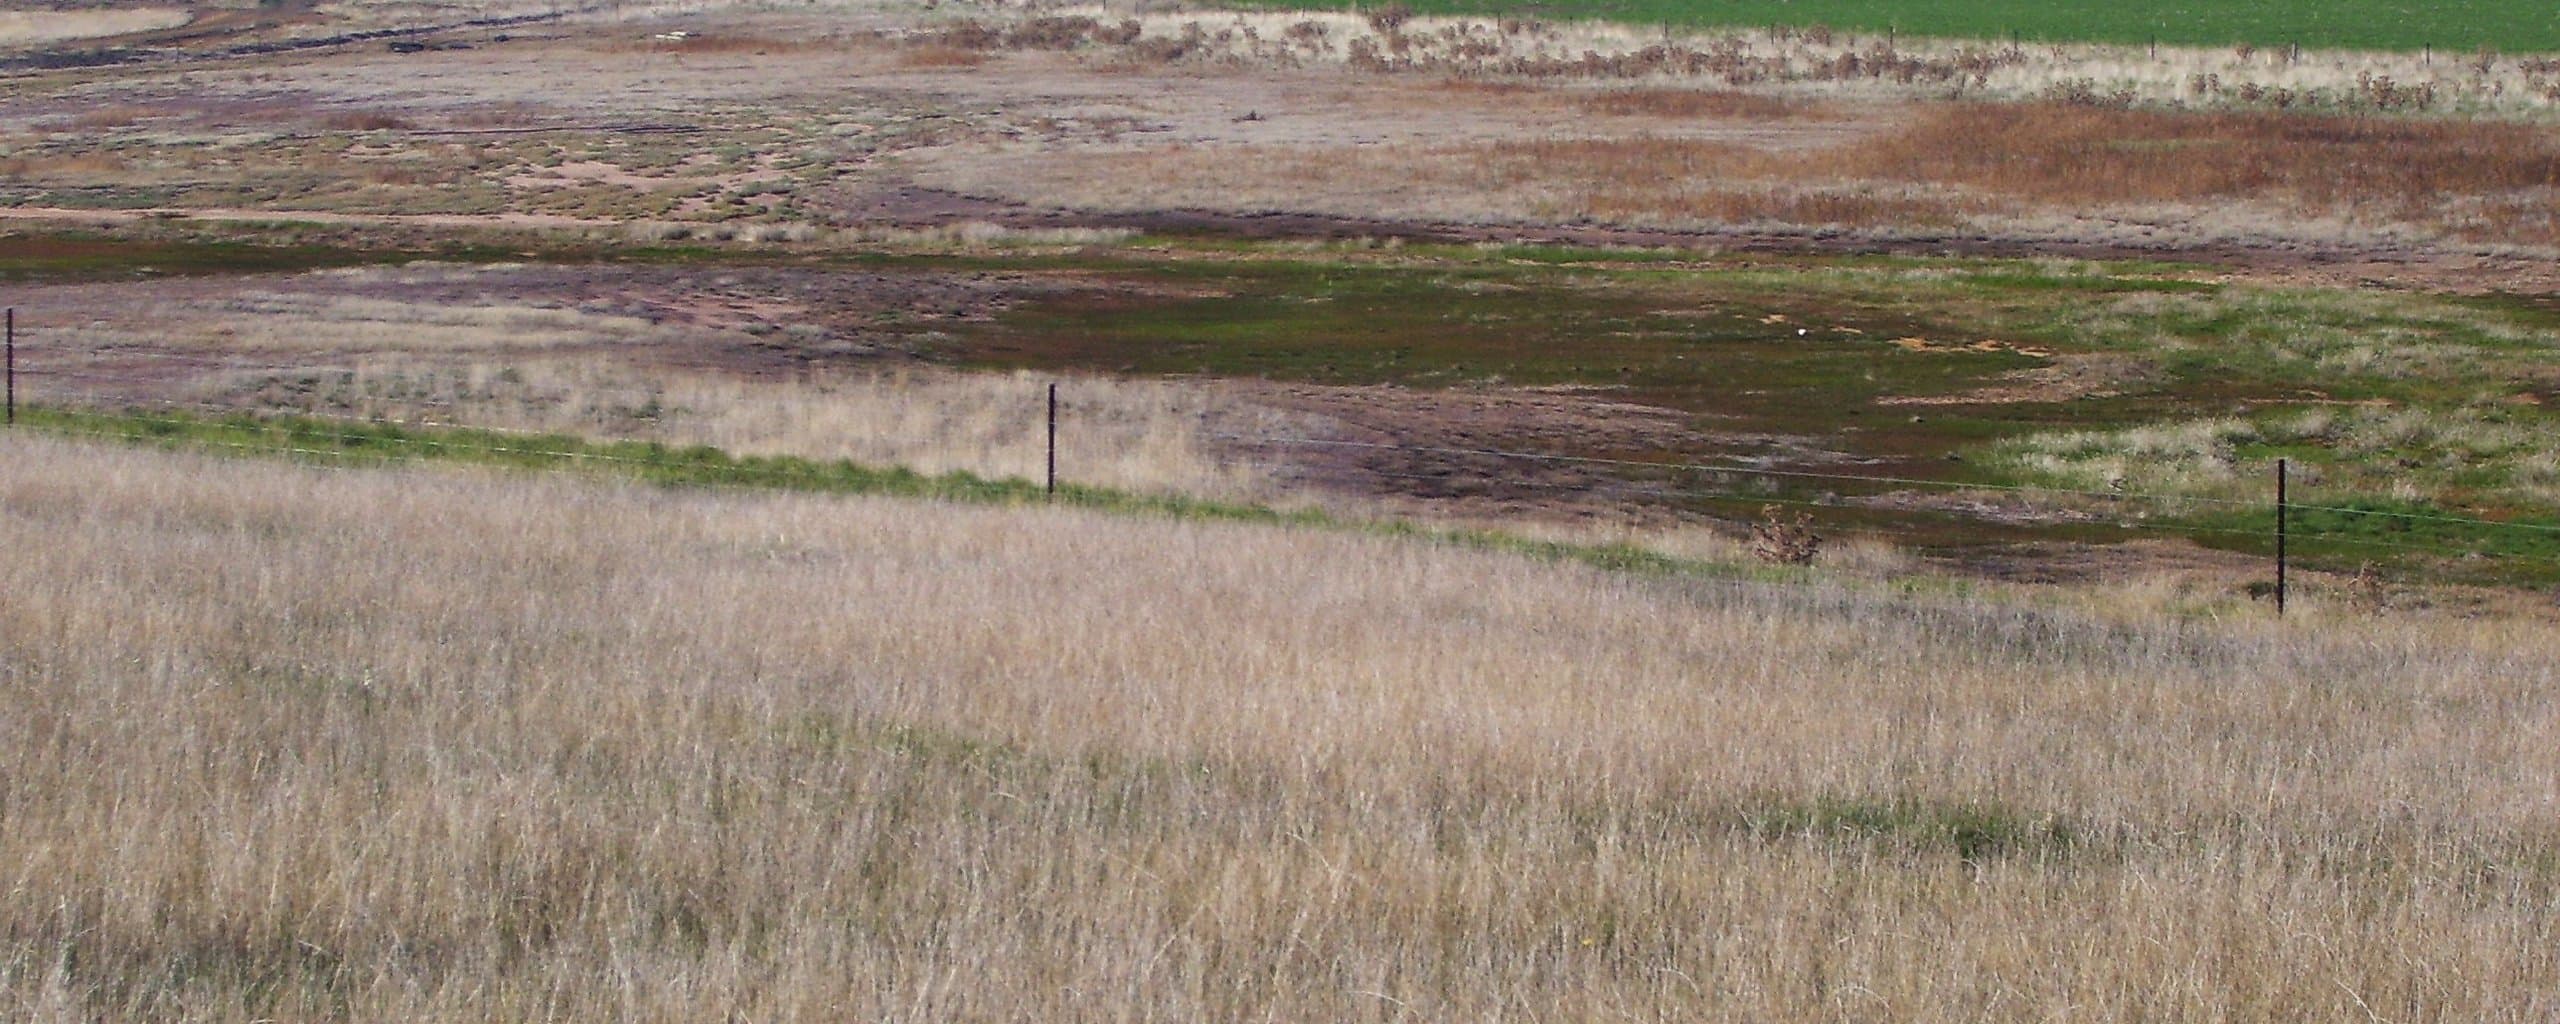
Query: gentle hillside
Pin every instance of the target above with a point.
(421, 745)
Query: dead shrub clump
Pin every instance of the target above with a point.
(1783, 539)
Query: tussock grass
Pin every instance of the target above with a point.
(429, 746)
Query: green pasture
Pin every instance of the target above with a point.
(2506, 25)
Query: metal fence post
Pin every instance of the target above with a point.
(2283, 510)
(1053, 438)
(13, 366)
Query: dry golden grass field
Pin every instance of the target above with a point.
(1398, 649)
(284, 743)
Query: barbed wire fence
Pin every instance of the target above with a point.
(102, 383)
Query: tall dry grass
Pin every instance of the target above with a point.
(295, 745)
(1137, 435)
(398, 351)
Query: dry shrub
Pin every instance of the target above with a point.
(1725, 103)
(1785, 539)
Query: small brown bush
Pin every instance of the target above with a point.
(1784, 539)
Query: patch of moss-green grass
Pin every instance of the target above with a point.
(2410, 538)
(1969, 830)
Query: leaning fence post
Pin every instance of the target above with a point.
(1053, 438)
(2282, 513)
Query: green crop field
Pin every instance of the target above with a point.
(2505, 25)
